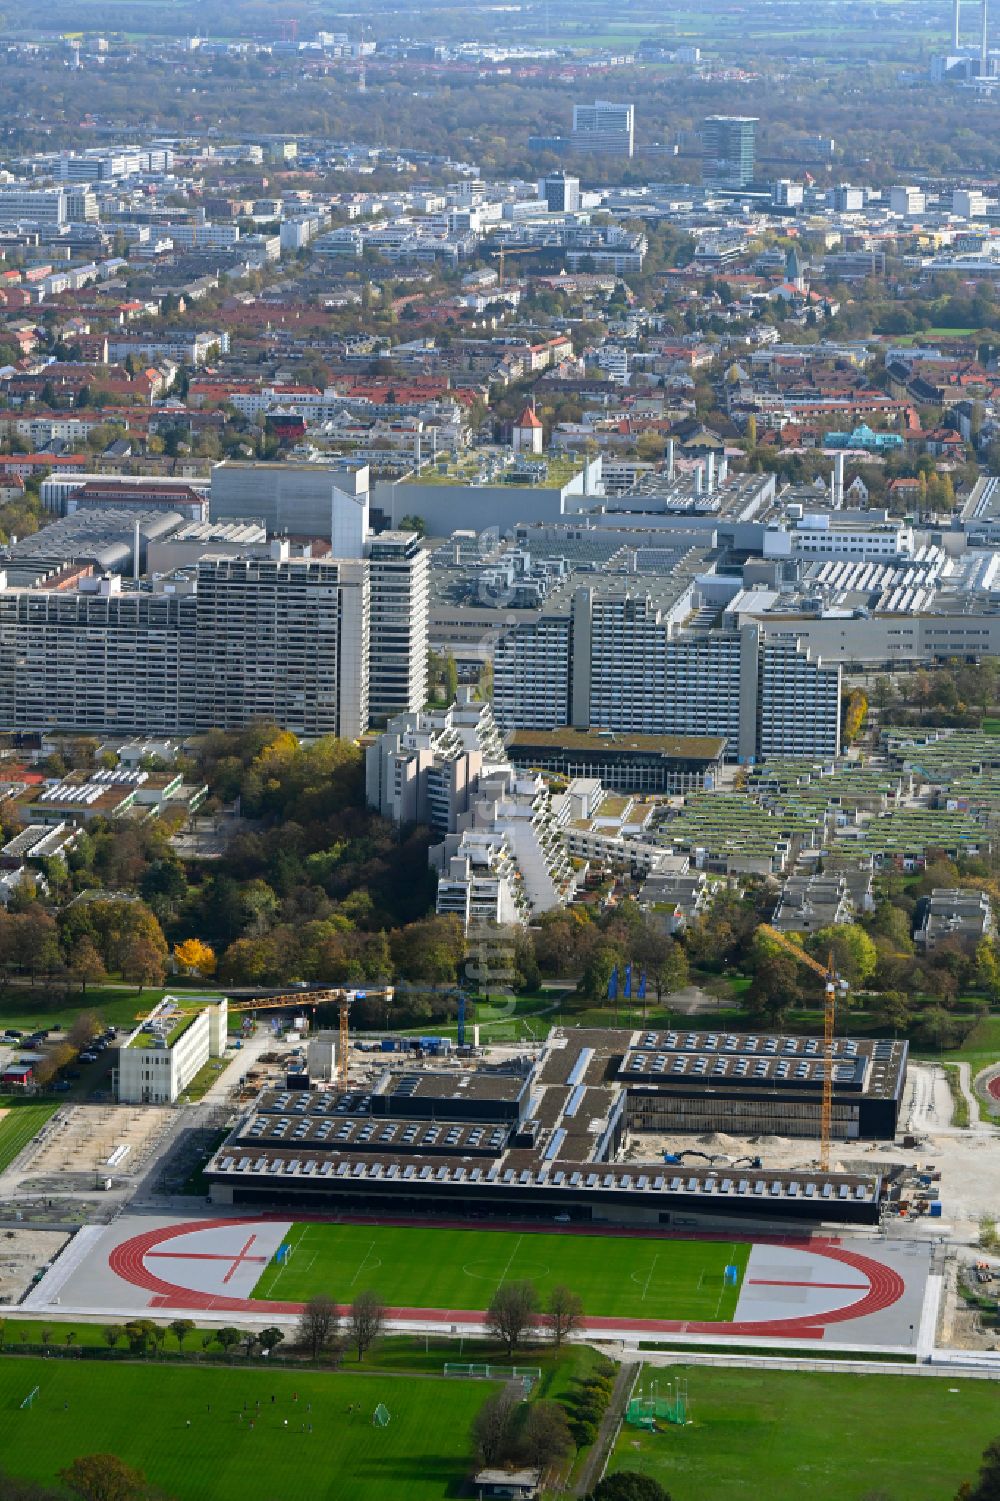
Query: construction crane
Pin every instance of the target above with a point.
(504, 251)
(342, 999)
(832, 982)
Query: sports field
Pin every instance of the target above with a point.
(617, 1276)
(789, 1434)
(19, 1122)
(142, 1412)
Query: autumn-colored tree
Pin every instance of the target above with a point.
(143, 962)
(103, 1477)
(193, 954)
(855, 713)
(86, 964)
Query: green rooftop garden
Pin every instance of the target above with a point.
(549, 473)
(178, 1026)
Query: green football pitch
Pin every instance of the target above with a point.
(142, 1413)
(617, 1276)
(827, 1436)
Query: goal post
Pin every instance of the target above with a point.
(29, 1400)
(380, 1417)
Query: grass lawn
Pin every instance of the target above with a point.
(418, 1267)
(21, 1122)
(27, 1007)
(980, 1048)
(789, 1434)
(142, 1412)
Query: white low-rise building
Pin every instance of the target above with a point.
(158, 1060)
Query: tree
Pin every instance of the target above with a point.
(545, 1436)
(629, 1485)
(854, 954)
(86, 1026)
(775, 986)
(319, 1323)
(192, 954)
(565, 1313)
(180, 1329)
(270, 1339)
(987, 1487)
(228, 1337)
(103, 1477)
(512, 1313)
(143, 963)
(139, 1333)
(86, 964)
(894, 1011)
(366, 1318)
(493, 1425)
(112, 1333)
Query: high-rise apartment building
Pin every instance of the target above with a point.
(283, 640)
(729, 145)
(399, 572)
(274, 638)
(604, 128)
(427, 765)
(97, 658)
(615, 661)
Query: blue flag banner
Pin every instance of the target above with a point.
(628, 982)
(613, 985)
(642, 986)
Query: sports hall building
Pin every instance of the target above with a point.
(545, 1138)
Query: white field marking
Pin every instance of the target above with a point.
(649, 1276)
(363, 1264)
(510, 1261)
(281, 1269)
(534, 1271)
(722, 1293)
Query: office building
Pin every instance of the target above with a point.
(728, 151)
(908, 201)
(845, 199)
(398, 569)
(604, 128)
(160, 1057)
(33, 206)
(561, 193)
(969, 203)
(297, 500)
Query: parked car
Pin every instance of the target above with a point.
(87, 1058)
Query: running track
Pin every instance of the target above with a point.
(885, 1287)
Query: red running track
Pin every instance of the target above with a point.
(885, 1287)
(993, 1088)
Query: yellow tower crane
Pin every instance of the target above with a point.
(831, 984)
(506, 250)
